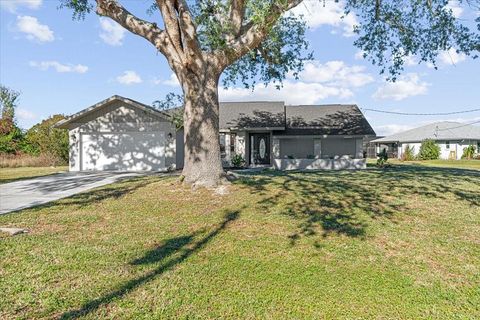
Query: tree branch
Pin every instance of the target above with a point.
(252, 34)
(145, 29)
(237, 12)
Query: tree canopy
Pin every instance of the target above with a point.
(388, 32)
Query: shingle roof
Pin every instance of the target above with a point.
(446, 130)
(335, 119)
(252, 115)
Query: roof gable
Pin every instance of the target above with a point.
(102, 104)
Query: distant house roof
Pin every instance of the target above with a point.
(335, 119)
(64, 123)
(446, 130)
(252, 115)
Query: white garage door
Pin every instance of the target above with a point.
(133, 151)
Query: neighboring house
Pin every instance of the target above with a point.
(123, 134)
(452, 137)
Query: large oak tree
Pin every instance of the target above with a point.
(257, 40)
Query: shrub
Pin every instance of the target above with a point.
(468, 152)
(43, 138)
(28, 160)
(408, 154)
(382, 158)
(429, 150)
(238, 161)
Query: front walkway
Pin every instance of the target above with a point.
(23, 194)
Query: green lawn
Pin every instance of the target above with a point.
(399, 243)
(465, 164)
(13, 174)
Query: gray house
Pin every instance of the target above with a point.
(452, 138)
(123, 134)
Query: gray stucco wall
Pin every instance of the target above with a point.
(120, 117)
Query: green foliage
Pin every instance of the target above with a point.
(382, 158)
(389, 32)
(43, 138)
(173, 106)
(238, 161)
(8, 102)
(10, 134)
(468, 152)
(408, 154)
(11, 141)
(283, 52)
(429, 150)
(392, 31)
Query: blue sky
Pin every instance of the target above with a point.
(63, 66)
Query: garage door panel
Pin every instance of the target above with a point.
(136, 151)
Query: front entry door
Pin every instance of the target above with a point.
(260, 148)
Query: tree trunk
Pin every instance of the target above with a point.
(202, 163)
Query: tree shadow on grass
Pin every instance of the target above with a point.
(345, 202)
(180, 247)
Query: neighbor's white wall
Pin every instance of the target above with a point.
(121, 117)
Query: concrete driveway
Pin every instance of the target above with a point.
(36, 191)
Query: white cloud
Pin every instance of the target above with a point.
(456, 8)
(451, 57)
(406, 86)
(13, 5)
(24, 114)
(318, 81)
(59, 67)
(319, 13)
(336, 73)
(359, 55)
(389, 129)
(129, 77)
(292, 93)
(34, 30)
(112, 33)
(172, 81)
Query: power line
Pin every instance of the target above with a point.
(421, 114)
(463, 125)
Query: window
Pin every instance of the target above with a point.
(478, 147)
(447, 144)
(222, 145)
(232, 142)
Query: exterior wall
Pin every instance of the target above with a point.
(119, 117)
(319, 164)
(179, 148)
(241, 144)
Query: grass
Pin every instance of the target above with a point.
(398, 243)
(14, 174)
(465, 164)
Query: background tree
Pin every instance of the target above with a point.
(254, 40)
(173, 105)
(43, 138)
(429, 150)
(10, 134)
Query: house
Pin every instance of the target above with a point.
(122, 134)
(452, 137)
